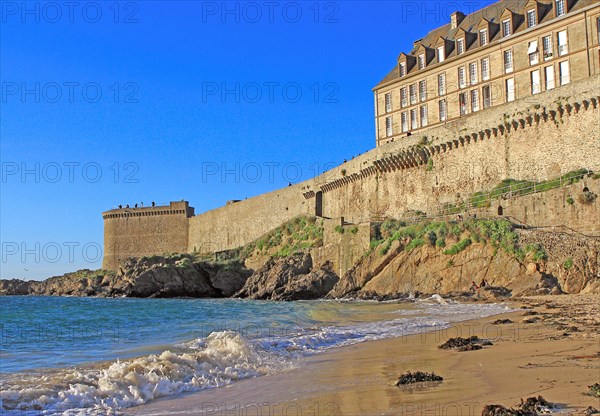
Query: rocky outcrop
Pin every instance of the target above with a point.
(157, 276)
(427, 270)
(289, 278)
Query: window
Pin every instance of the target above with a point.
(563, 49)
(462, 82)
(531, 18)
(443, 110)
(413, 93)
(549, 75)
(388, 102)
(534, 54)
(402, 69)
(460, 46)
(441, 84)
(560, 7)
(422, 90)
(598, 29)
(404, 121)
(389, 130)
(423, 111)
(565, 75)
(510, 89)
(483, 37)
(441, 54)
(508, 61)
(485, 69)
(473, 73)
(536, 87)
(421, 60)
(487, 96)
(414, 123)
(403, 98)
(474, 100)
(506, 29)
(547, 47)
(462, 102)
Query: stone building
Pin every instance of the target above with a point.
(510, 50)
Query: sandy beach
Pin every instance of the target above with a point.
(551, 348)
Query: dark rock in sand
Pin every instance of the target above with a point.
(502, 322)
(533, 406)
(530, 313)
(465, 344)
(594, 390)
(591, 411)
(417, 377)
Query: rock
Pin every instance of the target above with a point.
(289, 278)
(530, 313)
(417, 377)
(532, 268)
(157, 276)
(14, 287)
(594, 390)
(591, 411)
(533, 406)
(465, 344)
(502, 322)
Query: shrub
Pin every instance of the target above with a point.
(339, 229)
(568, 264)
(441, 243)
(432, 237)
(429, 164)
(354, 230)
(417, 242)
(570, 201)
(458, 247)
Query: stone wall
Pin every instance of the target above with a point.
(136, 232)
(529, 139)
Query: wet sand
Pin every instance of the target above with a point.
(547, 357)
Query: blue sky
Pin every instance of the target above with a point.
(108, 103)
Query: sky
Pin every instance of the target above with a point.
(106, 103)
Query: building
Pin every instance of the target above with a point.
(510, 50)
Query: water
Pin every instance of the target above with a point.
(58, 354)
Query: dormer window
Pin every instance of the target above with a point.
(560, 7)
(506, 28)
(402, 69)
(531, 18)
(483, 37)
(441, 54)
(421, 61)
(460, 46)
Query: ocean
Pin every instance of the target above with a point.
(92, 356)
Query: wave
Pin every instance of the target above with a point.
(219, 359)
(224, 358)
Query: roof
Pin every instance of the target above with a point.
(470, 22)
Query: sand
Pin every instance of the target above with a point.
(547, 357)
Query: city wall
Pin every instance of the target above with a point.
(537, 138)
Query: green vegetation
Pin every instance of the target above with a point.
(429, 165)
(514, 187)
(354, 230)
(499, 233)
(458, 247)
(339, 229)
(570, 201)
(568, 264)
(295, 235)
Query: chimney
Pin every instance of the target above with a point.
(456, 18)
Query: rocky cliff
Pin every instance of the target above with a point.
(427, 258)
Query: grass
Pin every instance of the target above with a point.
(483, 199)
(297, 234)
(498, 233)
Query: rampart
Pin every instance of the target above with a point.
(535, 139)
(145, 231)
